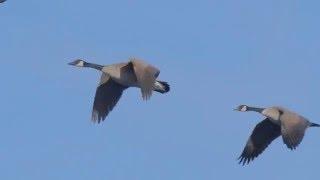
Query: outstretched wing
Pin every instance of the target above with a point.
(293, 129)
(146, 76)
(263, 134)
(107, 95)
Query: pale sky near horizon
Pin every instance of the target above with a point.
(216, 54)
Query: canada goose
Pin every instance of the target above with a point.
(279, 121)
(118, 77)
(1, 1)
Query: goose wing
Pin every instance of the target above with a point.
(146, 76)
(107, 95)
(293, 129)
(263, 134)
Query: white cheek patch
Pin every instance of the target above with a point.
(80, 64)
(244, 108)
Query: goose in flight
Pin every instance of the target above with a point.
(278, 122)
(116, 78)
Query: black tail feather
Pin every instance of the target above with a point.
(314, 125)
(166, 87)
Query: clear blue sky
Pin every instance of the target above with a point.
(216, 54)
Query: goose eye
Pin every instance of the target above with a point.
(280, 112)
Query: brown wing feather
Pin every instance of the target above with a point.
(107, 95)
(146, 75)
(263, 134)
(293, 129)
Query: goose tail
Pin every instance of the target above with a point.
(162, 87)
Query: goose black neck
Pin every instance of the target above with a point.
(259, 110)
(94, 66)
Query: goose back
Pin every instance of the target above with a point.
(273, 113)
(121, 73)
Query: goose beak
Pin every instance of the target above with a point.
(235, 109)
(72, 63)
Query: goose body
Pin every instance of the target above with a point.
(116, 78)
(279, 122)
(121, 74)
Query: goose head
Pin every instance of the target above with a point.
(78, 63)
(241, 108)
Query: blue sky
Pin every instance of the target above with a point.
(215, 54)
